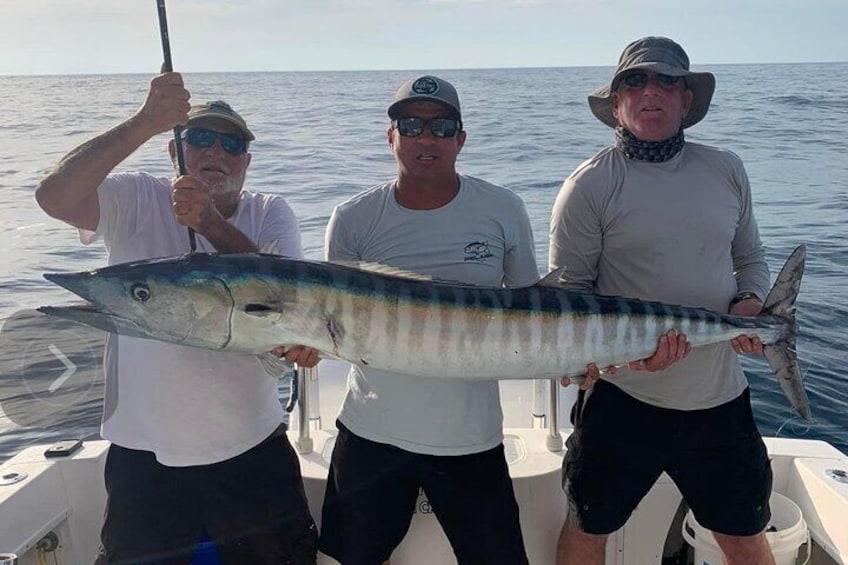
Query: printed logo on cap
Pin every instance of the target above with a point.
(425, 85)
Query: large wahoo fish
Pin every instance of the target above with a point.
(385, 319)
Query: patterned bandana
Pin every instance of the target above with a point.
(652, 151)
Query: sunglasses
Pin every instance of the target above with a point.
(232, 143)
(439, 127)
(639, 80)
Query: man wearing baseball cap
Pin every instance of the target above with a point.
(660, 218)
(398, 434)
(198, 437)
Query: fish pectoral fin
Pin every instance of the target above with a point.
(274, 366)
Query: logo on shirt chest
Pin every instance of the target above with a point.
(477, 251)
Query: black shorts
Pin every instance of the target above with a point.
(372, 491)
(620, 446)
(253, 507)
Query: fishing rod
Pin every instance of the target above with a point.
(168, 67)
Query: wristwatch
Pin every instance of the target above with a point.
(743, 296)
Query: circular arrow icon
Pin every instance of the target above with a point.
(50, 370)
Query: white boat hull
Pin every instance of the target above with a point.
(66, 496)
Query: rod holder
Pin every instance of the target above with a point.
(554, 440)
(303, 443)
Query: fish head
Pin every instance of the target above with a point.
(166, 300)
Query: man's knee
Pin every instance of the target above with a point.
(577, 547)
(573, 532)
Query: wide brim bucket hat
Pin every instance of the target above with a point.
(663, 56)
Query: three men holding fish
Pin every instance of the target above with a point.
(198, 440)
(631, 222)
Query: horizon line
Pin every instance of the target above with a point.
(388, 70)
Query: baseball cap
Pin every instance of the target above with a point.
(426, 88)
(223, 111)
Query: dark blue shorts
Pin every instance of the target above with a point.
(372, 491)
(620, 446)
(253, 507)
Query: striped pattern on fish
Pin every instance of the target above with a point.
(254, 302)
(404, 325)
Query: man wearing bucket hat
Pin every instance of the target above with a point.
(198, 437)
(399, 435)
(657, 217)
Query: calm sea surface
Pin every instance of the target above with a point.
(321, 139)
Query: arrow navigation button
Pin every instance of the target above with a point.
(70, 370)
(50, 372)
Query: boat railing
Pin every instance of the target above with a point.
(309, 415)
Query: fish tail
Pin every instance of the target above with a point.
(781, 354)
(781, 298)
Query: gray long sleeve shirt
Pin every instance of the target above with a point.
(681, 232)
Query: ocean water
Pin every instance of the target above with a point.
(321, 138)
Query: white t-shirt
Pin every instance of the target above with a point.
(189, 406)
(483, 237)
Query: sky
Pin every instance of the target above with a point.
(122, 36)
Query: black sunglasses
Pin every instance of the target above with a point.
(640, 79)
(439, 127)
(232, 143)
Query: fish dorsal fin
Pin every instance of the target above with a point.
(270, 247)
(381, 269)
(554, 278)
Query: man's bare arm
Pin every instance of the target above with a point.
(69, 192)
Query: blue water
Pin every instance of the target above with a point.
(321, 138)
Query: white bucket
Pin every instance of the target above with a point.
(786, 532)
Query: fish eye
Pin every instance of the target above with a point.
(140, 292)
